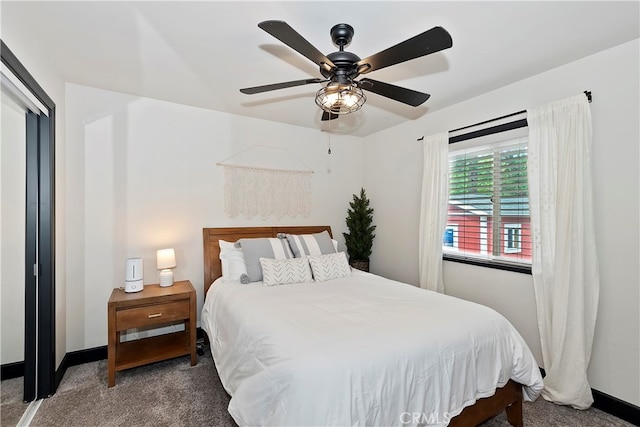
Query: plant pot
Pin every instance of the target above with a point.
(362, 265)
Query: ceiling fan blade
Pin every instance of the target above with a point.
(287, 35)
(283, 85)
(328, 116)
(431, 41)
(397, 93)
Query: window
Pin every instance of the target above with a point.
(512, 238)
(488, 219)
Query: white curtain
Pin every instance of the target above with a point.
(565, 264)
(433, 210)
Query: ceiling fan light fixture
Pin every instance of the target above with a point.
(340, 98)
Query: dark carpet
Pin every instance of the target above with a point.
(12, 407)
(173, 393)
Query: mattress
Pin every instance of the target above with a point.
(360, 350)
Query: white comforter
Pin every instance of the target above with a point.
(361, 350)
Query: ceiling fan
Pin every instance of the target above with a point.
(343, 94)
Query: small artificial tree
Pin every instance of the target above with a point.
(359, 239)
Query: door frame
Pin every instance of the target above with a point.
(40, 310)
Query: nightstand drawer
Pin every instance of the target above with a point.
(150, 315)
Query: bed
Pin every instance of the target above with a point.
(360, 350)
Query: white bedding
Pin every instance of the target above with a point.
(360, 350)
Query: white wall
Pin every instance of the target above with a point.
(142, 175)
(393, 180)
(12, 226)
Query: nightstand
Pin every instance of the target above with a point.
(154, 306)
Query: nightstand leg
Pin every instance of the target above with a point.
(114, 339)
(192, 339)
(192, 328)
(112, 376)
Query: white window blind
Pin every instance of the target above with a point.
(488, 217)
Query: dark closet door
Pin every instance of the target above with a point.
(31, 259)
(40, 326)
(46, 302)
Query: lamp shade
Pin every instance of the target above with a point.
(166, 258)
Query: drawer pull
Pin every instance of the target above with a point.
(151, 316)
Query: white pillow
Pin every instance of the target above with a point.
(232, 259)
(285, 271)
(330, 266)
(335, 244)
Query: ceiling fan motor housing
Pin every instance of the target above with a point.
(344, 65)
(341, 34)
(345, 69)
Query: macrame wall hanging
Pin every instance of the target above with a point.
(266, 181)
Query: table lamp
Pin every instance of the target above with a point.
(166, 261)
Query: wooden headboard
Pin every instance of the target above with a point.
(210, 237)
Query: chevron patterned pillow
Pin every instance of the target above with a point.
(285, 271)
(330, 266)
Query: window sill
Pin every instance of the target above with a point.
(517, 268)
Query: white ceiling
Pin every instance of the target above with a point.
(200, 53)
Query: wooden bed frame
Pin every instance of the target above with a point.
(507, 398)
(210, 237)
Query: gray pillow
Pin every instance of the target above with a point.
(303, 245)
(263, 247)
